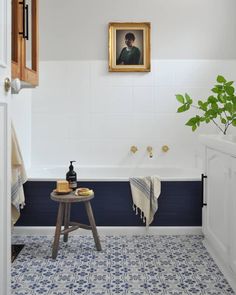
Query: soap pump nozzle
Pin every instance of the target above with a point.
(71, 167)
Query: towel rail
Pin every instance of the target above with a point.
(203, 177)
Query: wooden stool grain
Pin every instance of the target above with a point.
(63, 218)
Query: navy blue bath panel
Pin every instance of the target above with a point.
(179, 204)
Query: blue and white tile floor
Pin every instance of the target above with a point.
(127, 265)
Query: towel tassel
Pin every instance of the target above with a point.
(135, 208)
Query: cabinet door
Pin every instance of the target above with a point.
(232, 219)
(217, 194)
(25, 40)
(15, 41)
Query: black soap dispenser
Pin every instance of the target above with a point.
(71, 176)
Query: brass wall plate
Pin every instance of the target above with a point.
(133, 149)
(165, 148)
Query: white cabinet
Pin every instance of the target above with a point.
(215, 226)
(232, 218)
(219, 214)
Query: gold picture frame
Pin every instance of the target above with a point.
(129, 47)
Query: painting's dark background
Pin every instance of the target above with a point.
(120, 41)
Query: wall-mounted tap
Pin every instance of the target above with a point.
(133, 149)
(149, 150)
(165, 148)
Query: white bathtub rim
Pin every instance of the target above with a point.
(190, 174)
(114, 179)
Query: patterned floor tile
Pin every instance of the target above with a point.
(127, 265)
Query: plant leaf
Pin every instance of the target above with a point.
(187, 97)
(220, 87)
(234, 122)
(220, 79)
(215, 90)
(191, 122)
(182, 109)
(221, 98)
(229, 83)
(229, 90)
(214, 106)
(194, 127)
(211, 99)
(203, 106)
(229, 107)
(180, 98)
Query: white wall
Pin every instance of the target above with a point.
(21, 117)
(82, 112)
(181, 29)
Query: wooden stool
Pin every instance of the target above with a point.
(63, 216)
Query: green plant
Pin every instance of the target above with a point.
(219, 108)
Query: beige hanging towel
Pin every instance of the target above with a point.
(145, 192)
(18, 177)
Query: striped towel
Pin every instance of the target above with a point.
(18, 178)
(145, 192)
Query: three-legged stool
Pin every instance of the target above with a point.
(63, 218)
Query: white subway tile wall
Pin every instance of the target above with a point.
(82, 112)
(21, 117)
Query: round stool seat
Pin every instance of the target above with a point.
(70, 197)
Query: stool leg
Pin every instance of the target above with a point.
(58, 230)
(66, 220)
(93, 225)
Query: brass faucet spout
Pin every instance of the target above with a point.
(150, 151)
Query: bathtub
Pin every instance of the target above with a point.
(180, 202)
(114, 173)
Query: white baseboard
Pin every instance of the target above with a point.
(228, 274)
(112, 230)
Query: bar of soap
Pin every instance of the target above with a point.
(63, 186)
(83, 191)
(86, 193)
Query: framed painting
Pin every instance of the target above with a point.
(129, 47)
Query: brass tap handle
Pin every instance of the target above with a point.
(133, 149)
(165, 148)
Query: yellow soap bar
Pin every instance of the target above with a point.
(63, 186)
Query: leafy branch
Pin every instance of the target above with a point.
(220, 107)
